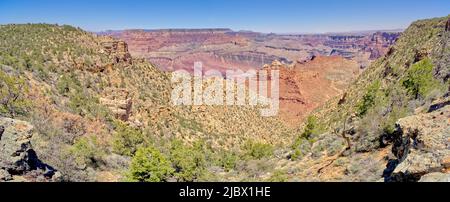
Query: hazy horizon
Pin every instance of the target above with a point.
(282, 17)
(278, 33)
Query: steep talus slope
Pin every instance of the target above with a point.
(366, 140)
(93, 107)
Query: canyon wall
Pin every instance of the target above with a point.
(222, 49)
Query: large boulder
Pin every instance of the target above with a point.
(17, 157)
(423, 146)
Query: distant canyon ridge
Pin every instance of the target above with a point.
(313, 67)
(221, 49)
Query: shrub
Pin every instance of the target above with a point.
(369, 98)
(12, 99)
(257, 150)
(302, 143)
(255, 169)
(301, 147)
(66, 83)
(311, 129)
(297, 154)
(189, 161)
(419, 80)
(278, 176)
(41, 72)
(149, 165)
(127, 140)
(388, 124)
(86, 151)
(228, 160)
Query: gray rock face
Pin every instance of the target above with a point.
(435, 177)
(17, 157)
(14, 146)
(423, 147)
(4, 175)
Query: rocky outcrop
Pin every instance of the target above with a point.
(119, 102)
(435, 177)
(18, 160)
(118, 50)
(422, 148)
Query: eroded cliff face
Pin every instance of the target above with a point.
(223, 49)
(148, 40)
(375, 44)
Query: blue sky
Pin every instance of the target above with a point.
(280, 16)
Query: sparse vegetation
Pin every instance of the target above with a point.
(12, 100)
